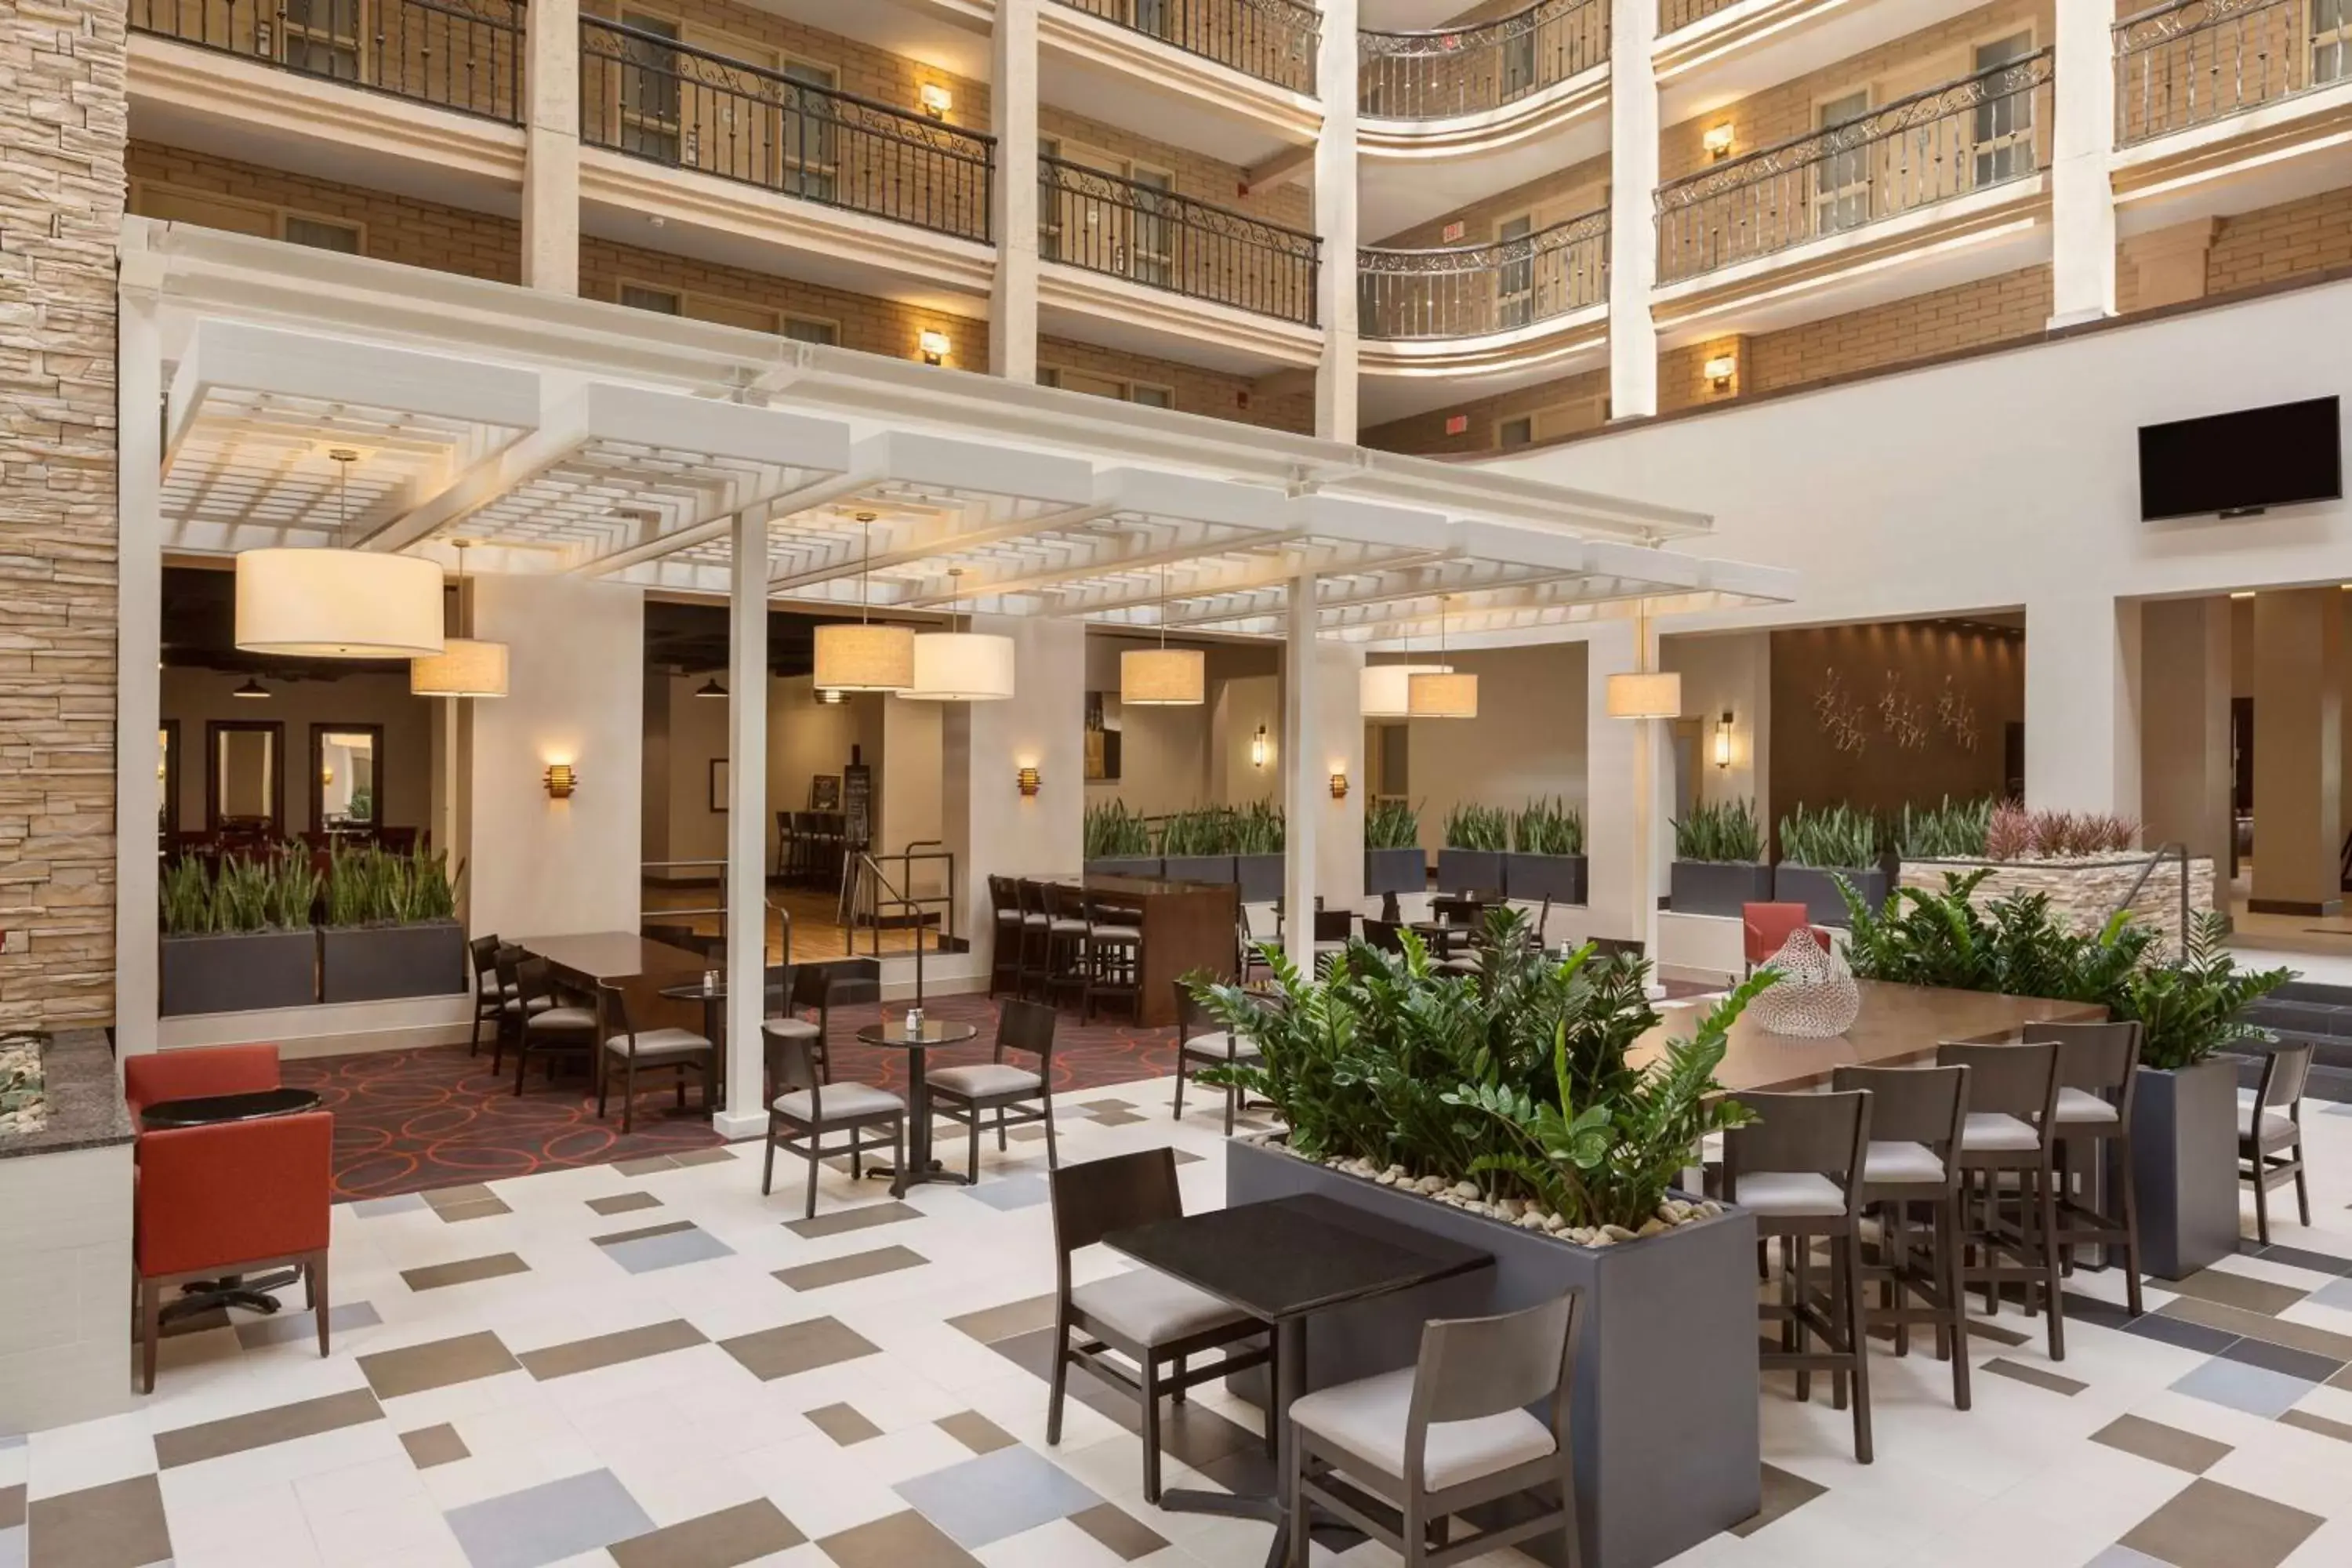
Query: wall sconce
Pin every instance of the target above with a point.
(1257, 748)
(934, 344)
(1718, 140)
(936, 100)
(1720, 370)
(1723, 741)
(1030, 782)
(1339, 786)
(563, 778)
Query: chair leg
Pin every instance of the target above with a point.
(1955, 1302)
(1858, 1338)
(2053, 1307)
(1233, 1094)
(1180, 1083)
(314, 1283)
(1301, 1548)
(1797, 1289)
(1052, 1155)
(972, 1149)
(817, 1140)
(2122, 1165)
(2302, 1192)
(1151, 1429)
(1273, 1381)
(1057, 1382)
(628, 1094)
(150, 1331)
(522, 1064)
(1176, 1389)
(768, 1167)
(2262, 1199)
(1000, 1129)
(1897, 1243)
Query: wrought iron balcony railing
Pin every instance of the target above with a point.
(1442, 72)
(1473, 291)
(652, 97)
(1089, 218)
(465, 55)
(1272, 40)
(2191, 62)
(1674, 15)
(1967, 136)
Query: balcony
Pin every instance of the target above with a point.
(1485, 318)
(1272, 40)
(465, 55)
(1435, 74)
(1675, 14)
(1931, 168)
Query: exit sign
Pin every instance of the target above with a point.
(1458, 423)
(1453, 231)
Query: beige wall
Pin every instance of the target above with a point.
(1728, 673)
(2185, 677)
(1528, 739)
(195, 697)
(1239, 708)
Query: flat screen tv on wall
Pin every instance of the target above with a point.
(2242, 463)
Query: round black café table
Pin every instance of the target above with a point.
(920, 1166)
(212, 1111)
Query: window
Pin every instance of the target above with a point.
(1516, 432)
(811, 149)
(2004, 123)
(2331, 30)
(347, 765)
(322, 36)
(1147, 393)
(649, 88)
(1841, 180)
(322, 233)
(1515, 280)
(663, 301)
(809, 329)
(1151, 397)
(1149, 259)
(260, 219)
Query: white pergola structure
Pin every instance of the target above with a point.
(570, 439)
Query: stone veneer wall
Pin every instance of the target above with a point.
(63, 122)
(2084, 893)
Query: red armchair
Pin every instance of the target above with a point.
(1764, 929)
(226, 1199)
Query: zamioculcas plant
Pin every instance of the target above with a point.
(1391, 825)
(2189, 1010)
(1721, 831)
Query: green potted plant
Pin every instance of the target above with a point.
(1197, 846)
(236, 935)
(1118, 842)
(1817, 848)
(1257, 837)
(1547, 855)
(1393, 859)
(1535, 1112)
(1718, 862)
(1477, 838)
(392, 927)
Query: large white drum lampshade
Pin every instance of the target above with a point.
(1382, 691)
(961, 666)
(1646, 694)
(338, 604)
(1163, 677)
(466, 666)
(864, 656)
(1440, 694)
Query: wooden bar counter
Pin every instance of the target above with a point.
(1899, 1026)
(1187, 926)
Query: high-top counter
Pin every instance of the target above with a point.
(1187, 926)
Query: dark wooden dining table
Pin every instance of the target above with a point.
(1283, 1261)
(638, 967)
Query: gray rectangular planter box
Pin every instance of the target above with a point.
(379, 964)
(1197, 868)
(1124, 866)
(1717, 887)
(1403, 870)
(2184, 1166)
(1259, 878)
(1469, 870)
(1664, 1418)
(243, 972)
(1534, 877)
(1816, 889)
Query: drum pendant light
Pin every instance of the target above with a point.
(466, 666)
(1441, 693)
(338, 604)
(865, 657)
(1163, 677)
(1382, 690)
(960, 667)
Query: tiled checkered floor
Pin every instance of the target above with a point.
(649, 1364)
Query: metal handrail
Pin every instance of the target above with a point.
(1272, 40)
(867, 867)
(1493, 286)
(1438, 73)
(655, 98)
(1107, 223)
(460, 55)
(2188, 62)
(2156, 858)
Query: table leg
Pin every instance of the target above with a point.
(714, 1027)
(1289, 1382)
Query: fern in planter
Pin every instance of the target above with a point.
(1481, 827)
(1391, 825)
(1547, 827)
(1721, 832)
(1839, 839)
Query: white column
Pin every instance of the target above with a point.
(1624, 779)
(1301, 700)
(1633, 230)
(139, 650)
(1340, 726)
(1335, 221)
(2082, 197)
(551, 164)
(747, 823)
(1012, 205)
(2082, 705)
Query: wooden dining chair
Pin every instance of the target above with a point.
(2009, 1146)
(806, 1109)
(680, 1051)
(1015, 1095)
(2269, 1133)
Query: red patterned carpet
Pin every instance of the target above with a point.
(411, 1120)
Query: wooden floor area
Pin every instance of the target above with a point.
(818, 931)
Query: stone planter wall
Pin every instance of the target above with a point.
(1664, 1415)
(2084, 893)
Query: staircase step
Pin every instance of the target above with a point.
(2313, 990)
(2303, 1018)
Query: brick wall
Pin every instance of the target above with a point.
(1206, 392)
(62, 126)
(2260, 247)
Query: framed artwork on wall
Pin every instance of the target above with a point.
(824, 793)
(719, 784)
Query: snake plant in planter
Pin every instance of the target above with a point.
(1257, 851)
(1817, 848)
(1394, 861)
(1719, 861)
(1477, 838)
(237, 934)
(1198, 845)
(1547, 853)
(391, 928)
(1119, 842)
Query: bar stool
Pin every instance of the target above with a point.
(1066, 942)
(2011, 1130)
(2097, 1069)
(1113, 961)
(1032, 974)
(1799, 1170)
(1917, 1117)
(2270, 1141)
(1004, 958)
